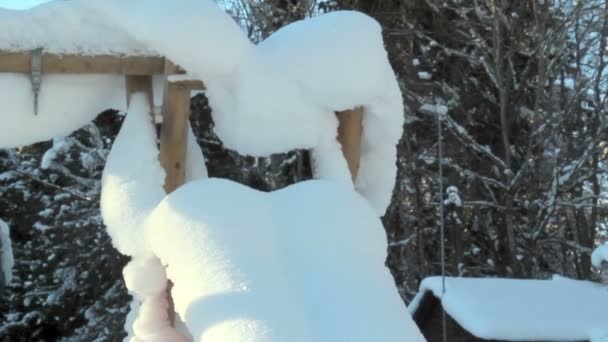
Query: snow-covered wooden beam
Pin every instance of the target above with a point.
(21, 62)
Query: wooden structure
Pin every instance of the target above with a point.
(138, 72)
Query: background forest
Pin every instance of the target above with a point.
(519, 86)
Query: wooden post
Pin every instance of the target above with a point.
(173, 135)
(140, 84)
(350, 130)
(174, 142)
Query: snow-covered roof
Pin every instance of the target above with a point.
(560, 309)
(63, 27)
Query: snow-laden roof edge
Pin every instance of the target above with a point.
(64, 27)
(559, 309)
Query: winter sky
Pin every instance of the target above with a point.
(20, 4)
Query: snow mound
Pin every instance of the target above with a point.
(287, 87)
(6, 254)
(560, 309)
(288, 267)
(61, 27)
(600, 256)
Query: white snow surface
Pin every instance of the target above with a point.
(282, 94)
(132, 181)
(132, 186)
(560, 309)
(6, 253)
(64, 28)
(287, 87)
(600, 255)
(305, 263)
(66, 103)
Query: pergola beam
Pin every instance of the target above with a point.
(21, 62)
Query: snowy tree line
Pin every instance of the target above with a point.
(520, 88)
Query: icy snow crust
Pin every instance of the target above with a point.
(524, 310)
(282, 94)
(247, 265)
(6, 254)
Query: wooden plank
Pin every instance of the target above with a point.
(350, 131)
(20, 62)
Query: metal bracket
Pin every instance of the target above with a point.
(36, 76)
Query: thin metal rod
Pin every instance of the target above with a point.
(442, 223)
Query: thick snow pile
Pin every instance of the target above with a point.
(132, 186)
(146, 280)
(282, 94)
(66, 103)
(560, 309)
(131, 189)
(6, 255)
(600, 256)
(61, 27)
(287, 267)
(288, 87)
